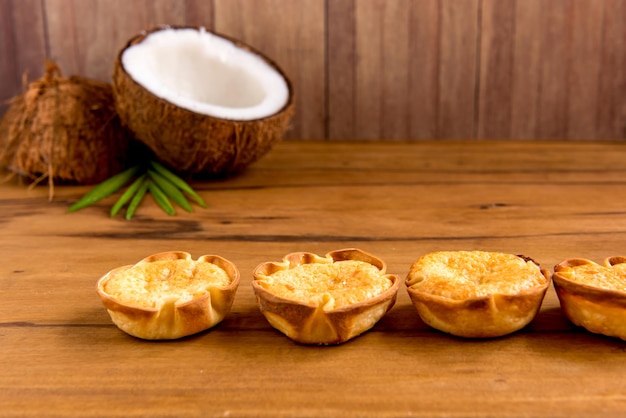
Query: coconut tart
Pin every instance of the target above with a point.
(476, 294)
(324, 300)
(169, 295)
(592, 295)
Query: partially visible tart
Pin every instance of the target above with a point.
(325, 300)
(593, 296)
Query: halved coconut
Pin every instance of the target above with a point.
(205, 104)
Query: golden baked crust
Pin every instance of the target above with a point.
(476, 294)
(593, 296)
(325, 300)
(169, 295)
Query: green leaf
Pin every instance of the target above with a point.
(170, 190)
(141, 192)
(180, 183)
(127, 195)
(105, 189)
(161, 198)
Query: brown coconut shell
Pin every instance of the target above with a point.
(190, 143)
(65, 129)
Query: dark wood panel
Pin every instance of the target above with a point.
(22, 46)
(383, 62)
(611, 107)
(587, 17)
(553, 71)
(342, 56)
(457, 69)
(567, 77)
(396, 38)
(199, 13)
(292, 34)
(364, 69)
(423, 86)
(8, 67)
(526, 68)
(369, 69)
(85, 36)
(496, 69)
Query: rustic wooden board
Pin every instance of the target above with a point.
(60, 355)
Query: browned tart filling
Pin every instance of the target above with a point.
(592, 295)
(325, 300)
(169, 295)
(476, 293)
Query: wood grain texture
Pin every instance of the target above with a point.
(60, 354)
(22, 46)
(584, 68)
(8, 71)
(85, 36)
(341, 63)
(370, 69)
(553, 72)
(526, 69)
(396, 62)
(611, 109)
(371, 66)
(458, 69)
(423, 86)
(292, 34)
(559, 85)
(200, 13)
(496, 69)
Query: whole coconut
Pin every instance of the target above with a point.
(64, 129)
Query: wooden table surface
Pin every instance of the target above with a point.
(60, 354)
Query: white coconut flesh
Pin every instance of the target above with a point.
(207, 74)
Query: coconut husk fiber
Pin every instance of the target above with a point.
(64, 129)
(193, 144)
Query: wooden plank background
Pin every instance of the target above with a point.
(374, 69)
